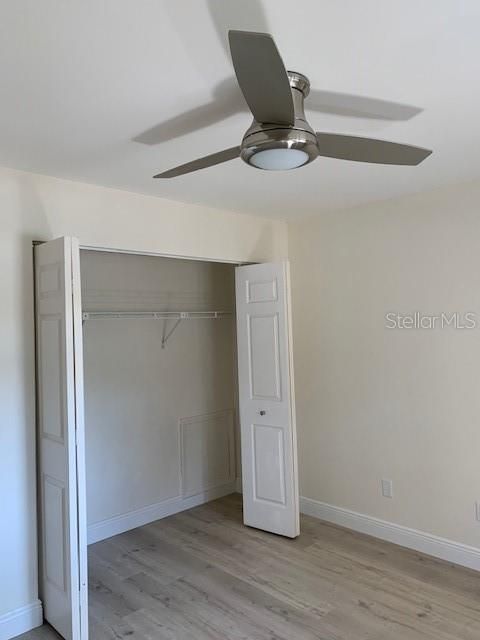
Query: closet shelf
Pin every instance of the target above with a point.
(156, 315)
(178, 316)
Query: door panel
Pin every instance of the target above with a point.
(61, 496)
(269, 480)
(55, 543)
(51, 375)
(267, 419)
(264, 361)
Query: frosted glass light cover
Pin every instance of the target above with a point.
(279, 159)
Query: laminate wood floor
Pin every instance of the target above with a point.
(202, 575)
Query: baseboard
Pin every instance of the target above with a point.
(145, 515)
(427, 543)
(411, 538)
(21, 620)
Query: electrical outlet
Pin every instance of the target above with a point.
(387, 488)
(477, 510)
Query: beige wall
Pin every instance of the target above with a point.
(374, 403)
(35, 207)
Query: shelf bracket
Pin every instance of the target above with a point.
(167, 335)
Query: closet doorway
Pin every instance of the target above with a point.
(186, 371)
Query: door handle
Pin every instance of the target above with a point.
(262, 412)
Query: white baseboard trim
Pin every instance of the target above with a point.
(404, 536)
(145, 515)
(21, 620)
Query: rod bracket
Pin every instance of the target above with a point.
(165, 335)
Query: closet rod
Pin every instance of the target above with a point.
(178, 316)
(156, 315)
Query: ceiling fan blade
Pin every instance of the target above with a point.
(262, 76)
(201, 163)
(358, 149)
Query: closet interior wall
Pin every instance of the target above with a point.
(160, 422)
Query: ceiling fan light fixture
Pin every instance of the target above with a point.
(278, 149)
(280, 159)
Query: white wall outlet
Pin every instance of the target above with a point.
(477, 510)
(387, 488)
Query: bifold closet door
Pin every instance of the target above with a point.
(61, 477)
(267, 408)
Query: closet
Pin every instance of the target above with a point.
(162, 383)
(159, 385)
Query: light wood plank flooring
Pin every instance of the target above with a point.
(202, 575)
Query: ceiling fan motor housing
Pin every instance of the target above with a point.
(268, 136)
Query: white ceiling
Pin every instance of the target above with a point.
(84, 84)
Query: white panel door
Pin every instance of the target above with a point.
(267, 413)
(63, 548)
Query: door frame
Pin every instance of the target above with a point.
(161, 254)
(177, 256)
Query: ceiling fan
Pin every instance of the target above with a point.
(280, 137)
